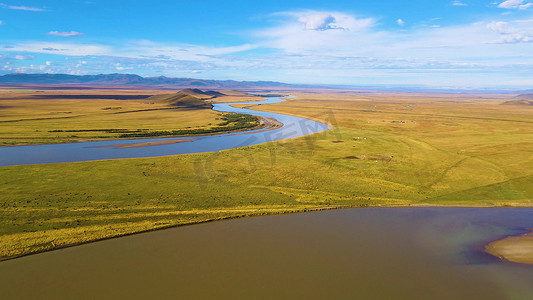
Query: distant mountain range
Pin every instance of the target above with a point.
(131, 80)
(135, 81)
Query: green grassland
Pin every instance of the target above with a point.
(25, 120)
(384, 150)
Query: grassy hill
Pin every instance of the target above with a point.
(519, 102)
(187, 98)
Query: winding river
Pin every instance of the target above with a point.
(87, 151)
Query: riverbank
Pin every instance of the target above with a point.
(264, 124)
(147, 144)
(517, 249)
(271, 212)
(239, 123)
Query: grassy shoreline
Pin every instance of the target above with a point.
(269, 213)
(257, 214)
(261, 125)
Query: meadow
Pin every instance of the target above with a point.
(384, 149)
(62, 116)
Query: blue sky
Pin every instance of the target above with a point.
(438, 43)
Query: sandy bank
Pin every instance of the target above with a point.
(518, 249)
(158, 143)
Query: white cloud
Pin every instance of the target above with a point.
(458, 3)
(438, 43)
(515, 38)
(165, 51)
(292, 37)
(400, 22)
(521, 32)
(65, 34)
(499, 27)
(385, 56)
(23, 57)
(325, 21)
(319, 21)
(122, 68)
(69, 49)
(513, 4)
(138, 52)
(26, 8)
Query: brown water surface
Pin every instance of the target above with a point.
(399, 253)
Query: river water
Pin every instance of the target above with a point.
(369, 253)
(87, 151)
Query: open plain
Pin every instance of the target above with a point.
(384, 149)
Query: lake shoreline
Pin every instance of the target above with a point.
(263, 214)
(338, 253)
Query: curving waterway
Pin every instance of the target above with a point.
(87, 151)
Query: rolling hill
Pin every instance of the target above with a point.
(187, 98)
(525, 96)
(519, 102)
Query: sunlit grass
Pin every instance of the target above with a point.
(24, 120)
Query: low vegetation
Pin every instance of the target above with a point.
(48, 117)
(449, 150)
(231, 122)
